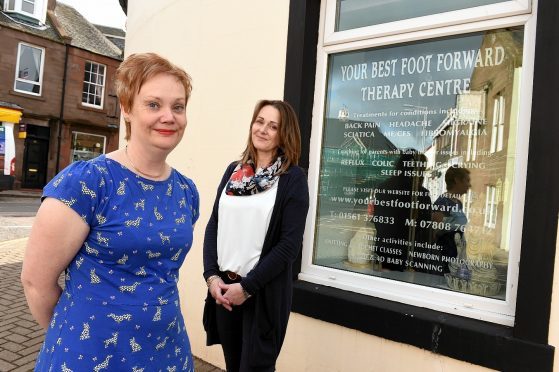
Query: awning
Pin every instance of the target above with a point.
(10, 115)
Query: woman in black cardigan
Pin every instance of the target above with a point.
(253, 236)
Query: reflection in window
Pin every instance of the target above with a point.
(361, 13)
(29, 72)
(491, 202)
(87, 146)
(93, 84)
(467, 202)
(406, 156)
(498, 128)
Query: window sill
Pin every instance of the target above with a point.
(485, 344)
(91, 108)
(25, 95)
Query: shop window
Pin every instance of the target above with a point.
(86, 146)
(519, 340)
(357, 19)
(394, 117)
(93, 84)
(360, 13)
(29, 69)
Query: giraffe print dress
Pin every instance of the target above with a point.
(120, 309)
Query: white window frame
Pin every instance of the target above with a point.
(95, 84)
(446, 19)
(501, 127)
(486, 309)
(490, 206)
(498, 125)
(16, 78)
(467, 202)
(39, 13)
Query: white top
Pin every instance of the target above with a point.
(243, 223)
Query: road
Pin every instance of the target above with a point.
(18, 207)
(17, 216)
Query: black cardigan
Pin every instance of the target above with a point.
(270, 282)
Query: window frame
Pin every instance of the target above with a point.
(446, 19)
(491, 205)
(75, 133)
(39, 9)
(42, 69)
(523, 346)
(94, 84)
(476, 307)
(498, 124)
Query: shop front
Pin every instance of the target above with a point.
(10, 115)
(429, 141)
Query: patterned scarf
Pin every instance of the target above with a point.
(245, 181)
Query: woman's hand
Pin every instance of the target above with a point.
(217, 293)
(233, 293)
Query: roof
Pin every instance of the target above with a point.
(10, 105)
(113, 31)
(47, 31)
(118, 41)
(84, 35)
(115, 35)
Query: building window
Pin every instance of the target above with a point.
(351, 20)
(359, 13)
(498, 128)
(467, 203)
(35, 9)
(86, 146)
(392, 116)
(29, 69)
(491, 207)
(93, 84)
(404, 320)
(28, 6)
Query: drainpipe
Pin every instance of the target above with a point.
(61, 115)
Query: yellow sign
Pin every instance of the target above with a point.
(10, 115)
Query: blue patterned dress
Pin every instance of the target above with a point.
(120, 307)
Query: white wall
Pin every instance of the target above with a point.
(235, 52)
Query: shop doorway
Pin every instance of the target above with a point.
(35, 158)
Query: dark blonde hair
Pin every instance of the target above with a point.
(289, 134)
(138, 68)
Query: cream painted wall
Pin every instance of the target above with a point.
(235, 53)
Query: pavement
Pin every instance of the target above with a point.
(20, 336)
(22, 193)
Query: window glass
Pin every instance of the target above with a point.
(360, 13)
(28, 6)
(407, 176)
(87, 146)
(29, 69)
(2, 140)
(94, 84)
